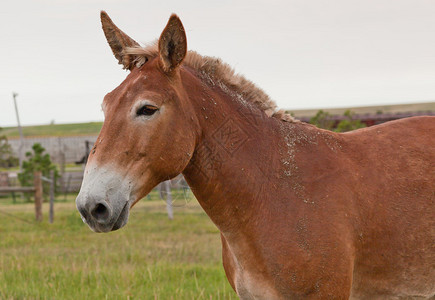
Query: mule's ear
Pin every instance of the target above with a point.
(172, 44)
(118, 41)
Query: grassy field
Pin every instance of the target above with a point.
(151, 258)
(91, 128)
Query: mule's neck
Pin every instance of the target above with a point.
(237, 154)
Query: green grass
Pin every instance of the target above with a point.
(151, 258)
(91, 128)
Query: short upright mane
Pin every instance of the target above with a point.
(216, 70)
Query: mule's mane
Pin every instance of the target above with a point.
(215, 71)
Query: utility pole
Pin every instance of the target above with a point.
(20, 148)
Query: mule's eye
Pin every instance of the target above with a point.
(147, 110)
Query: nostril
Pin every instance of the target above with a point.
(100, 212)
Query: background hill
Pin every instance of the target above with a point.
(93, 128)
(56, 130)
(380, 109)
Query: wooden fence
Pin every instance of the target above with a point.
(36, 189)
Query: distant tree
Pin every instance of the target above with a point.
(349, 123)
(7, 158)
(322, 120)
(37, 161)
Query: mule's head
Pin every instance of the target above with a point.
(148, 135)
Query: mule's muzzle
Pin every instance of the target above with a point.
(101, 215)
(104, 198)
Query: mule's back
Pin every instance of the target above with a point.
(394, 176)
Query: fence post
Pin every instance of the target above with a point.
(51, 216)
(165, 188)
(38, 195)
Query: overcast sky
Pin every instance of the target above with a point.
(304, 54)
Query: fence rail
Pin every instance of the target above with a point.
(18, 189)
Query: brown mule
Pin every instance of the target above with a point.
(303, 212)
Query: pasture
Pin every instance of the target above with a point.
(151, 258)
